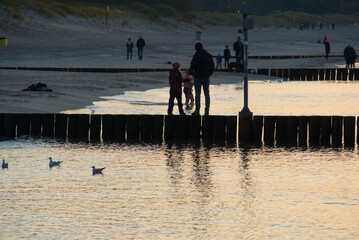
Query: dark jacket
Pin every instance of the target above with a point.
(175, 80)
(353, 56)
(129, 46)
(227, 53)
(140, 43)
(202, 65)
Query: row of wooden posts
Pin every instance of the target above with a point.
(269, 130)
(310, 74)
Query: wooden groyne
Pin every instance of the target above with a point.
(328, 131)
(290, 74)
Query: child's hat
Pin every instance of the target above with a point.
(176, 65)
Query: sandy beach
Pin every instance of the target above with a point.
(74, 42)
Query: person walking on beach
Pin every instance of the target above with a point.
(219, 61)
(347, 51)
(227, 56)
(327, 47)
(175, 81)
(140, 44)
(238, 48)
(201, 68)
(129, 47)
(352, 58)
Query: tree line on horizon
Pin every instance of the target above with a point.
(262, 7)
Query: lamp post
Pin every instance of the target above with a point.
(245, 116)
(247, 24)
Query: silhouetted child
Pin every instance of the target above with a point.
(187, 88)
(219, 61)
(175, 81)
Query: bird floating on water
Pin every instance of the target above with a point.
(96, 170)
(54, 163)
(4, 164)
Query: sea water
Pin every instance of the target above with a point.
(188, 190)
(268, 97)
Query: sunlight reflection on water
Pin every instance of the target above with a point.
(265, 98)
(186, 191)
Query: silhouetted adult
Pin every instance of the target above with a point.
(238, 48)
(140, 44)
(327, 48)
(353, 57)
(201, 68)
(347, 51)
(129, 47)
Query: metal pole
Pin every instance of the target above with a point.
(245, 68)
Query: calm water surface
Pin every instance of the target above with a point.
(189, 191)
(265, 98)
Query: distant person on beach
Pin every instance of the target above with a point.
(347, 51)
(140, 44)
(327, 47)
(129, 47)
(201, 68)
(175, 81)
(219, 61)
(238, 48)
(187, 89)
(353, 57)
(227, 56)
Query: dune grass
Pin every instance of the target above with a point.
(158, 14)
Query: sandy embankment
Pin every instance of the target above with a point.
(74, 42)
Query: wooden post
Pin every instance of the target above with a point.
(339, 74)
(36, 123)
(349, 131)
(231, 128)
(119, 127)
(358, 130)
(286, 74)
(48, 123)
(315, 73)
(314, 131)
(60, 125)
(257, 130)
(245, 127)
(146, 127)
(280, 73)
(325, 130)
(337, 131)
(327, 74)
(281, 130)
(157, 127)
(356, 74)
(207, 128)
(23, 124)
(332, 74)
(73, 124)
(344, 74)
(321, 74)
(309, 74)
(351, 74)
(107, 130)
(170, 127)
(294, 74)
(269, 129)
(83, 126)
(195, 127)
(292, 130)
(303, 74)
(182, 126)
(95, 127)
(133, 127)
(303, 131)
(219, 128)
(10, 124)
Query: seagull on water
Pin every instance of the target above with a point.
(4, 164)
(96, 170)
(54, 163)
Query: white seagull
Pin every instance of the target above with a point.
(4, 164)
(54, 163)
(96, 170)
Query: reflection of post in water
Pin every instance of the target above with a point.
(248, 192)
(202, 174)
(174, 155)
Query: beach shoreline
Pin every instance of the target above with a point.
(69, 42)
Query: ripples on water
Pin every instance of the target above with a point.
(185, 191)
(265, 98)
